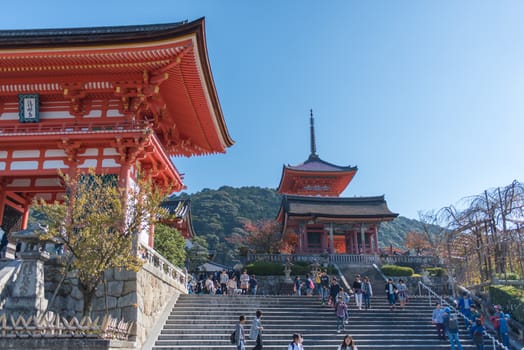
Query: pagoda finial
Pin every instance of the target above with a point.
(312, 130)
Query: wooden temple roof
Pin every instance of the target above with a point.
(160, 73)
(335, 208)
(179, 212)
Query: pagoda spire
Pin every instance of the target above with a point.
(312, 132)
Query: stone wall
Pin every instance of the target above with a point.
(140, 297)
(154, 291)
(64, 344)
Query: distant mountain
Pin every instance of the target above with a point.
(218, 213)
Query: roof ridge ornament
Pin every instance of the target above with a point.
(313, 154)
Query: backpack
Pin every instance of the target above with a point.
(453, 325)
(233, 337)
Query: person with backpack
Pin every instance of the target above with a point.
(348, 343)
(296, 344)
(310, 286)
(477, 331)
(453, 332)
(255, 332)
(240, 340)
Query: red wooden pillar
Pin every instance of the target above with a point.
(375, 238)
(2, 203)
(25, 216)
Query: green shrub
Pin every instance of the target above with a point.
(396, 271)
(511, 299)
(509, 275)
(436, 271)
(300, 268)
(265, 269)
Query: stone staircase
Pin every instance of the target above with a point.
(205, 322)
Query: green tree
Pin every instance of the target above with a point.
(197, 254)
(170, 244)
(98, 223)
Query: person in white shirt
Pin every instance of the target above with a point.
(348, 343)
(296, 344)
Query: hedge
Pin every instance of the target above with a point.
(511, 299)
(509, 275)
(436, 271)
(265, 269)
(397, 271)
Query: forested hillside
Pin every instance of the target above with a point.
(218, 213)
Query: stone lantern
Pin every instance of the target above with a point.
(315, 268)
(287, 270)
(27, 295)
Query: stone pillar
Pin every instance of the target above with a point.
(301, 234)
(362, 239)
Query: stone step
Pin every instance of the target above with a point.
(205, 322)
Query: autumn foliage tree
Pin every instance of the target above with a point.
(262, 237)
(98, 223)
(417, 241)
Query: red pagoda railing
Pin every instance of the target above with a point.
(25, 129)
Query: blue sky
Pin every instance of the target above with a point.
(425, 97)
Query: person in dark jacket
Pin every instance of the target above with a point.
(333, 291)
(3, 244)
(391, 293)
(477, 330)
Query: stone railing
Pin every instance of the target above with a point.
(51, 325)
(164, 267)
(353, 259)
(425, 290)
(410, 259)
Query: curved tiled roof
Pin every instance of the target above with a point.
(314, 163)
(24, 38)
(336, 207)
